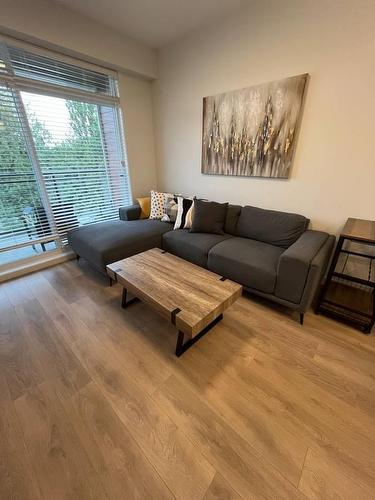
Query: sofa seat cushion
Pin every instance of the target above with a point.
(107, 242)
(248, 262)
(193, 247)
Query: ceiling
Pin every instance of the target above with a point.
(153, 22)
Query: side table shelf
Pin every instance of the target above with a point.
(348, 293)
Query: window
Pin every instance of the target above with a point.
(62, 160)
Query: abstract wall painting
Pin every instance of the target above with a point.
(253, 131)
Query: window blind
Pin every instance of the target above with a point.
(22, 217)
(62, 128)
(79, 153)
(40, 68)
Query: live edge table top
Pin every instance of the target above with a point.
(190, 296)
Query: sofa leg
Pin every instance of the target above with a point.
(301, 318)
(110, 281)
(77, 257)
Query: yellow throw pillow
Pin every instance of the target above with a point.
(145, 204)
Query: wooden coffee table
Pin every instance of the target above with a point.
(191, 297)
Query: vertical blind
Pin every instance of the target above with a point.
(62, 156)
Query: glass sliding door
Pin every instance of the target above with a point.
(76, 164)
(25, 229)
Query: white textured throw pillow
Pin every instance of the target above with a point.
(159, 203)
(170, 208)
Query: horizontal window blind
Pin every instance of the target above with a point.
(80, 157)
(22, 216)
(3, 68)
(44, 69)
(64, 152)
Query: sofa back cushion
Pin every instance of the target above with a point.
(231, 219)
(281, 229)
(208, 217)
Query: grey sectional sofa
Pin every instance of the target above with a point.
(272, 254)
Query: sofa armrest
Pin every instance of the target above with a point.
(318, 269)
(131, 212)
(296, 263)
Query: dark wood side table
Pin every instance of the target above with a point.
(348, 293)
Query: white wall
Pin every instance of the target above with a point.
(334, 41)
(55, 27)
(136, 104)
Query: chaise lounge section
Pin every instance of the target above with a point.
(106, 242)
(272, 254)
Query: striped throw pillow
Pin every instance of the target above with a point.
(184, 205)
(189, 217)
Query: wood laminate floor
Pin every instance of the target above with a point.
(93, 403)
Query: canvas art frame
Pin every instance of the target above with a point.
(253, 132)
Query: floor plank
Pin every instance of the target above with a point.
(94, 404)
(227, 451)
(122, 337)
(315, 415)
(220, 489)
(57, 309)
(62, 467)
(328, 475)
(50, 348)
(19, 367)
(249, 417)
(162, 441)
(17, 479)
(123, 469)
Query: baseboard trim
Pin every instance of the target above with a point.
(23, 268)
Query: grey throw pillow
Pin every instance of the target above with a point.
(209, 217)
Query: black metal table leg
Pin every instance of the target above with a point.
(181, 347)
(124, 302)
(180, 343)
